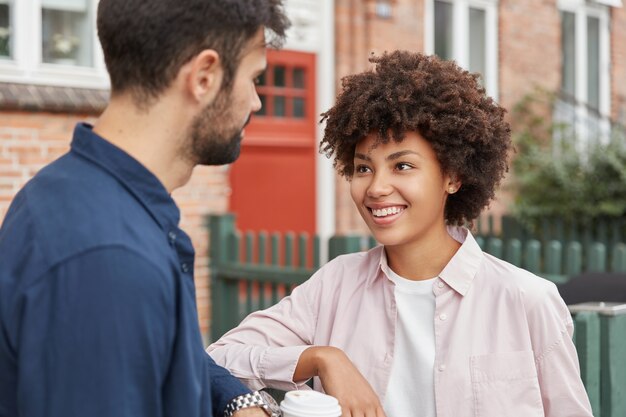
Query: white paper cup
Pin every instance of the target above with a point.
(309, 404)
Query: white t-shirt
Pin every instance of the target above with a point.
(411, 390)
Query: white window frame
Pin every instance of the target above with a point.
(461, 36)
(581, 10)
(26, 66)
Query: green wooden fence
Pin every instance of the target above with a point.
(253, 271)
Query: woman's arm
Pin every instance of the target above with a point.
(341, 379)
(558, 371)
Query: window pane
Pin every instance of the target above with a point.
(568, 51)
(477, 42)
(443, 29)
(67, 5)
(66, 33)
(593, 61)
(298, 108)
(298, 77)
(5, 31)
(279, 106)
(279, 76)
(263, 110)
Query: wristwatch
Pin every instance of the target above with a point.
(254, 399)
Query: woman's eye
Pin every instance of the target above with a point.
(361, 169)
(403, 166)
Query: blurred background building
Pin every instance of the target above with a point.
(52, 75)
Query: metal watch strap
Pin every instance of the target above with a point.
(252, 399)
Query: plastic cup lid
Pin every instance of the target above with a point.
(310, 404)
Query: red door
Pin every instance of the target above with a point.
(273, 181)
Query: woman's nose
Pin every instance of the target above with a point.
(379, 187)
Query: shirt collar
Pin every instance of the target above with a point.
(462, 268)
(135, 177)
(458, 273)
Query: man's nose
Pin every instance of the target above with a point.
(256, 102)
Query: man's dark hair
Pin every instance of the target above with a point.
(146, 42)
(445, 104)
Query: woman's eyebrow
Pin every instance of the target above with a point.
(400, 154)
(362, 156)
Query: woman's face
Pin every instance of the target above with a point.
(400, 189)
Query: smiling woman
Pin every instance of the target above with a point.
(426, 321)
(400, 189)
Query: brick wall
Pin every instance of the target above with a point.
(529, 57)
(523, 65)
(28, 141)
(618, 62)
(359, 32)
(530, 48)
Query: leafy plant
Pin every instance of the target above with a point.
(553, 179)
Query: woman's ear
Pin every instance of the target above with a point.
(454, 185)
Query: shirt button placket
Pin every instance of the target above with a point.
(172, 237)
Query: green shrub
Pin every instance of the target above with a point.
(557, 181)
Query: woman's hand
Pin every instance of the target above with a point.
(341, 379)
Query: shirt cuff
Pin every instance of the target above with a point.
(277, 366)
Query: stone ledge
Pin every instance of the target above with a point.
(29, 97)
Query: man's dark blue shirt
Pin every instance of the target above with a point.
(97, 301)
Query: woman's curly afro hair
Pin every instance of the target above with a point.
(445, 104)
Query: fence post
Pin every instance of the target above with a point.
(587, 340)
(597, 258)
(533, 256)
(618, 258)
(574, 259)
(494, 247)
(339, 245)
(553, 258)
(224, 303)
(514, 252)
(613, 354)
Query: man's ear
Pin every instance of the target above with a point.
(204, 77)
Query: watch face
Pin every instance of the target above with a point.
(271, 403)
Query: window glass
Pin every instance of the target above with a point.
(298, 108)
(443, 29)
(66, 32)
(5, 30)
(593, 61)
(279, 106)
(477, 42)
(298, 77)
(279, 76)
(568, 51)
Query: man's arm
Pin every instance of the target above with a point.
(224, 387)
(95, 336)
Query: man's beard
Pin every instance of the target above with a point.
(215, 138)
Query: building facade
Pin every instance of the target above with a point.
(52, 75)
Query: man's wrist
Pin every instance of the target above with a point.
(257, 399)
(255, 411)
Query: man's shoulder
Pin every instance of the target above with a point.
(71, 206)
